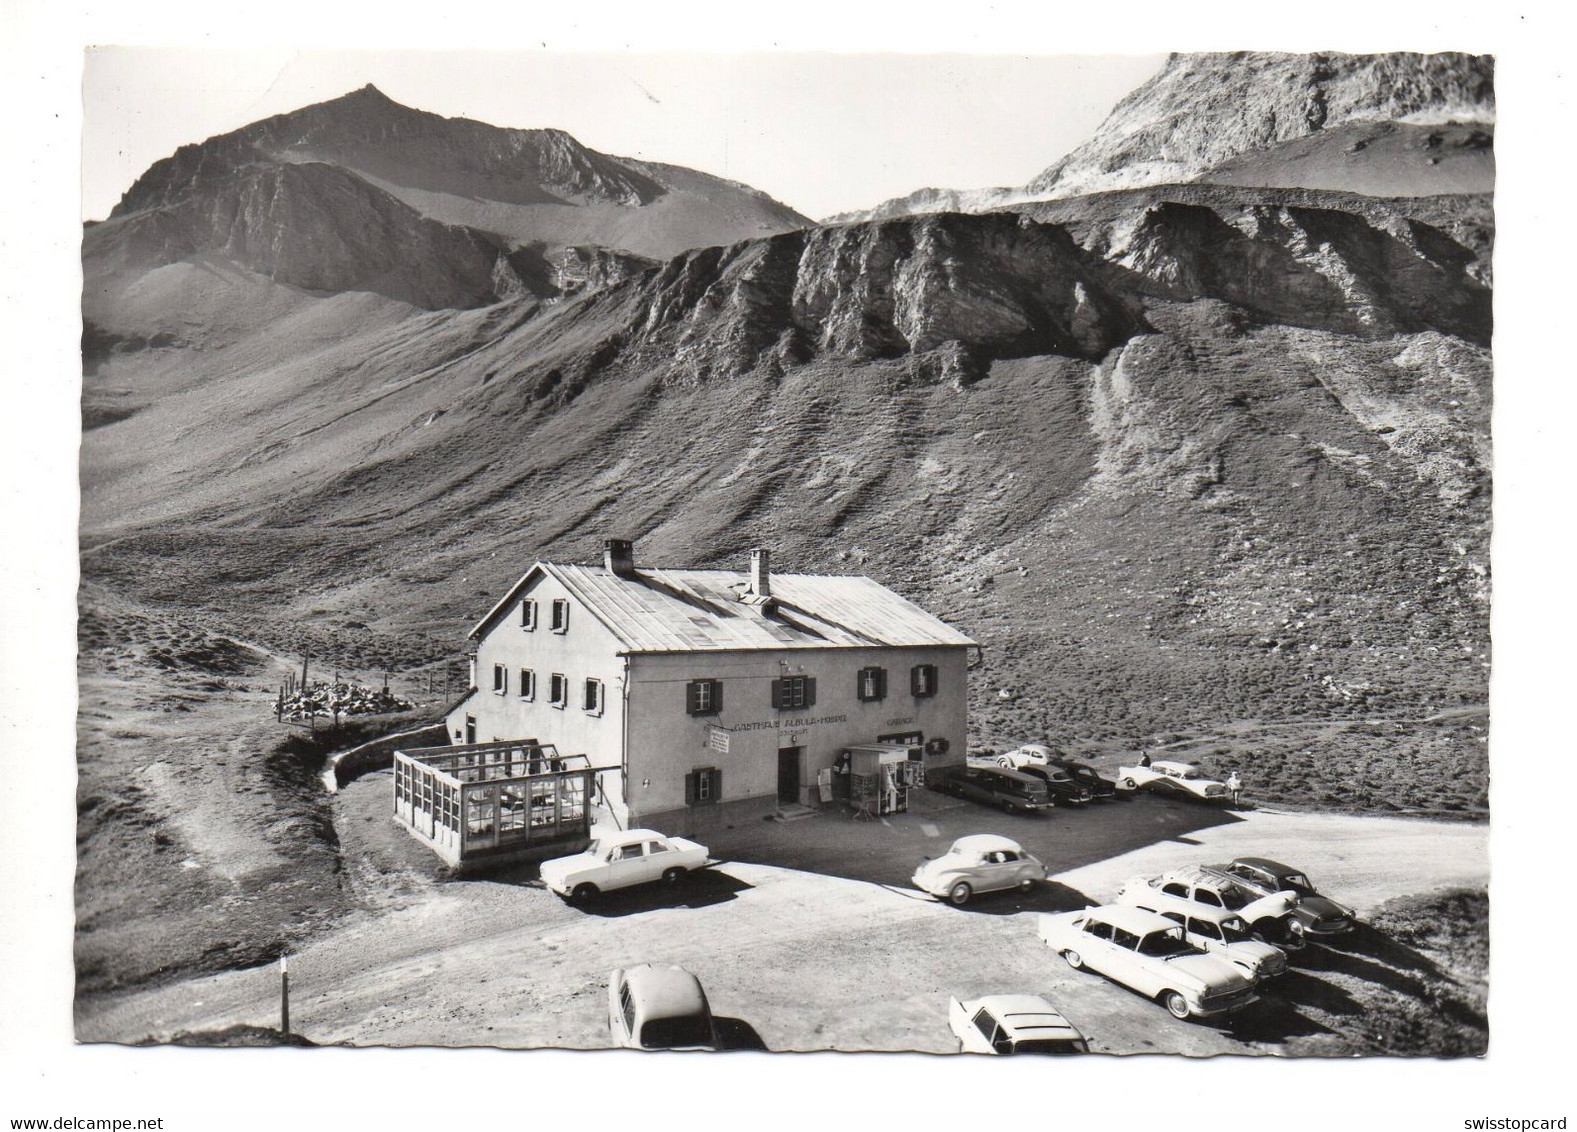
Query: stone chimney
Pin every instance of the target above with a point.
(760, 574)
(618, 556)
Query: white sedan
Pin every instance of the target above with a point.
(981, 862)
(1182, 779)
(621, 860)
(1149, 954)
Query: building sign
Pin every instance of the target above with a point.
(900, 721)
(789, 724)
(717, 739)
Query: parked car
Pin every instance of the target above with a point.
(1012, 1023)
(1013, 790)
(1150, 954)
(1099, 786)
(1183, 890)
(620, 860)
(651, 1007)
(1030, 754)
(981, 862)
(1313, 915)
(1061, 785)
(1220, 932)
(1185, 780)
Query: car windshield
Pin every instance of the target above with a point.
(1164, 945)
(1297, 882)
(595, 848)
(1049, 1047)
(1235, 931)
(674, 1033)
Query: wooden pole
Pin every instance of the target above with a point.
(284, 996)
(306, 659)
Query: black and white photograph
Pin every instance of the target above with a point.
(787, 549)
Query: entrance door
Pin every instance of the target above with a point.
(470, 729)
(788, 774)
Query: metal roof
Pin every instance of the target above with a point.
(655, 610)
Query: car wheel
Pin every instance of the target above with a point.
(583, 892)
(1004, 761)
(673, 876)
(1130, 784)
(1295, 927)
(1175, 1003)
(960, 893)
(1075, 960)
(1027, 884)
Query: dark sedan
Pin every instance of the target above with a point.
(1061, 785)
(1087, 777)
(1314, 916)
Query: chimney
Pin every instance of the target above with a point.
(618, 556)
(760, 577)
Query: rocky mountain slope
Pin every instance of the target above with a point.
(1398, 124)
(363, 195)
(1148, 436)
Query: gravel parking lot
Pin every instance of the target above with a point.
(808, 936)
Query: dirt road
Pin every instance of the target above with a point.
(797, 960)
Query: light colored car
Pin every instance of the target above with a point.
(1182, 779)
(652, 1007)
(1220, 932)
(1030, 754)
(1149, 954)
(620, 860)
(981, 862)
(1183, 890)
(1012, 1023)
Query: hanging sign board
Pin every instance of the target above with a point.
(717, 739)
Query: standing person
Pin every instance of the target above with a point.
(1144, 759)
(1234, 784)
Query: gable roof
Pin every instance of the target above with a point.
(702, 610)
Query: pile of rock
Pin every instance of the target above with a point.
(323, 700)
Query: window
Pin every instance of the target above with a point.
(1097, 929)
(1122, 937)
(558, 690)
(871, 685)
(628, 1007)
(626, 852)
(528, 684)
(704, 697)
(922, 680)
(560, 615)
(528, 614)
(1205, 896)
(500, 679)
(793, 692)
(653, 847)
(592, 700)
(703, 787)
(1173, 888)
(1204, 928)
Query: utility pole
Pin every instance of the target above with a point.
(284, 996)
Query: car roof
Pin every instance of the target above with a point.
(1276, 868)
(632, 835)
(1131, 919)
(1173, 765)
(986, 843)
(1027, 1016)
(666, 991)
(1209, 911)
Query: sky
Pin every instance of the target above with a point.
(821, 132)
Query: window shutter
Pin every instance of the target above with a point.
(717, 786)
(689, 789)
(881, 683)
(692, 697)
(859, 684)
(777, 693)
(914, 680)
(717, 696)
(810, 691)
